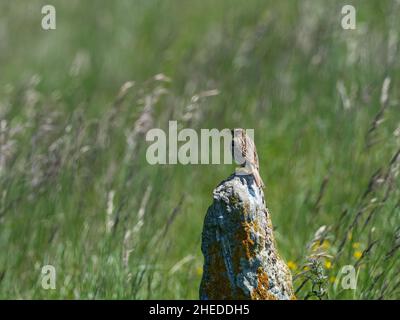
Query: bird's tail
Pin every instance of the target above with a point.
(258, 179)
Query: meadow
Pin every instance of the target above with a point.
(77, 193)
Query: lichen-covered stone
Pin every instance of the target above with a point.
(240, 256)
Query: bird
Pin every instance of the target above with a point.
(245, 154)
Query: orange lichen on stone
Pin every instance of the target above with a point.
(261, 292)
(247, 241)
(246, 245)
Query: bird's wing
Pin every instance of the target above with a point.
(256, 163)
(251, 152)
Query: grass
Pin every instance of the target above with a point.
(76, 191)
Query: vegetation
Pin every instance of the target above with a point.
(77, 193)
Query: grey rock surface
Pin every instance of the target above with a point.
(240, 256)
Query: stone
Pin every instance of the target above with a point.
(241, 260)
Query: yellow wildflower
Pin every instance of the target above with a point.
(292, 265)
(357, 254)
(332, 279)
(326, 244)
(328, 264)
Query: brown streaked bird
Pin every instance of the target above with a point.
(245, 153)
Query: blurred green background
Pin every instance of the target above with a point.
(77, 193)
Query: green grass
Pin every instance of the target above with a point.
(278, 67)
